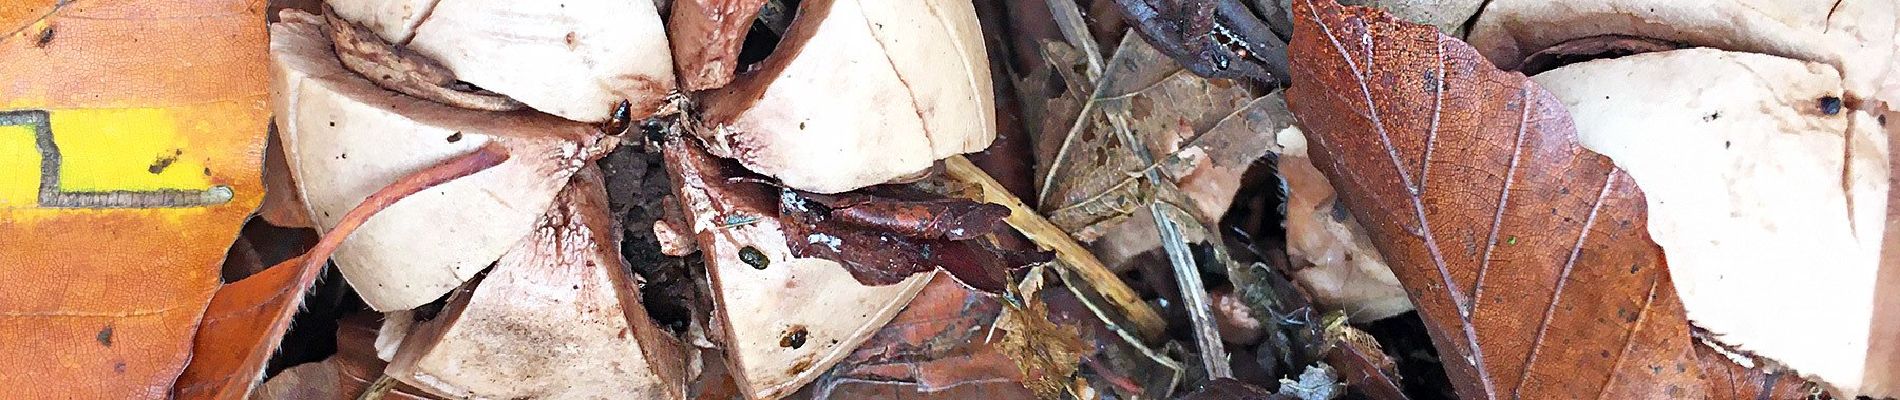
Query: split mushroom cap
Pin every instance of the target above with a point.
(781, 320)
(860, 92)
(1858, 37)
(1769, 208)
(577, 59)
(558, 317)
(707, 35)
(344, 138)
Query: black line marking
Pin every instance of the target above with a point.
(53, 196)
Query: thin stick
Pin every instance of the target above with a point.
(378, 388)
(1072, 255)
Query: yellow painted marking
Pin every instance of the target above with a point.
(116, 149)
(19, 167)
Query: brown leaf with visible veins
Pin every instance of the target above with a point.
(1727, 379)
(1526, 255)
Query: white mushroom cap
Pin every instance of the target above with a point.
(344, 138)
(859, 92)
(577, 59)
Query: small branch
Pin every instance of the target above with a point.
(1069, 253)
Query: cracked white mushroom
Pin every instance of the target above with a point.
(860, 92)
(577, 59)
(558, 317)
(781, 320)
(344, 137)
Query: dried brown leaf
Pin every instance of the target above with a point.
(1096, 181)
(1526, 254)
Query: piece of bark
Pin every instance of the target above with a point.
(577, 59)
(905, 83)
(344, 137)
(1748, 174)
(1525, 253)
(1333, 258)
(781, 319)
(706, 37)
(558, 316)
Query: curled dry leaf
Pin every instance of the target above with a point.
(344, 137)
(146, 165)
(706, 36)
(884, 240)
(577, 59)
(558, 316)
(905, 83)
(347, 374)
(1747, 175)
(781, 319)
(936, 348)
(1333, 257)
(1525, 253)
(372, 58)
(1214, 38)
(282, 205)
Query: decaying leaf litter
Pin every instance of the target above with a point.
(1224, 198)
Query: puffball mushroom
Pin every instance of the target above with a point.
(577, 59)
(1769, 203)
(344, 138)
(859, 92)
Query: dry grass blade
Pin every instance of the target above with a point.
(1526, 254)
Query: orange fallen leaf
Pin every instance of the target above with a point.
(141, 121)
